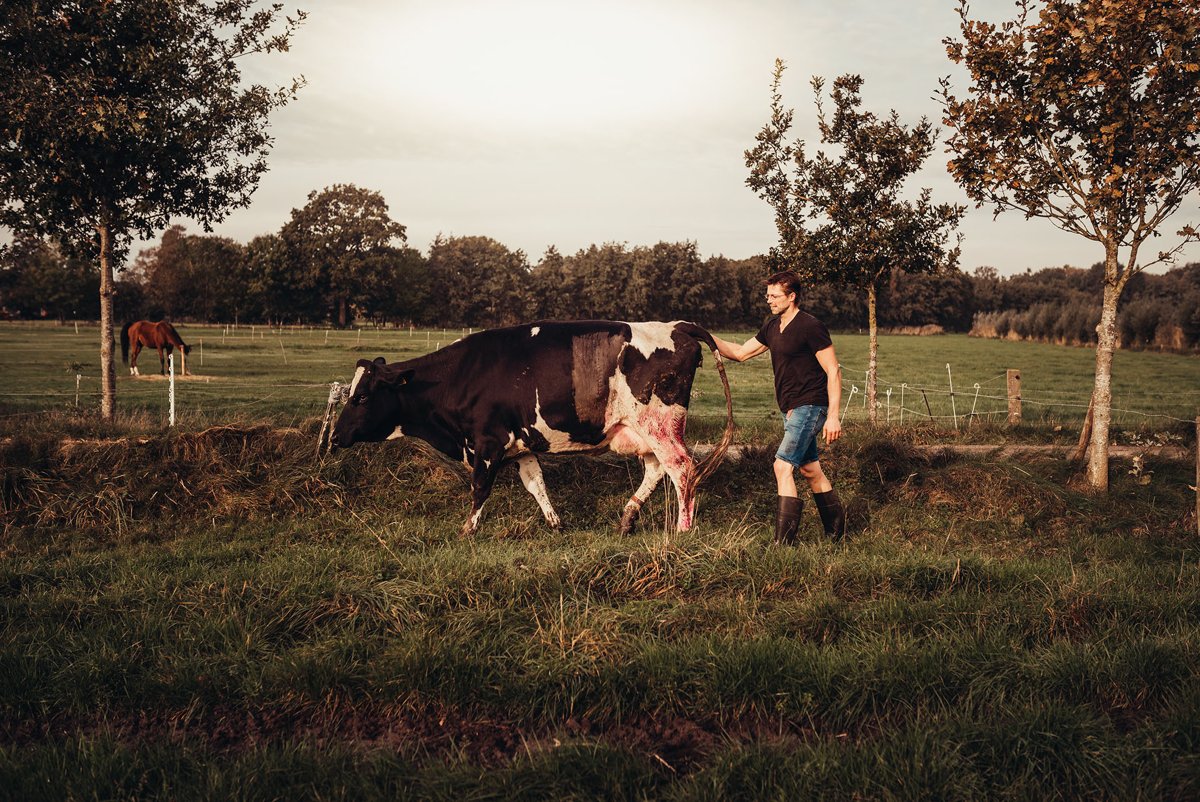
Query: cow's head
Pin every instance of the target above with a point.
(375, 406)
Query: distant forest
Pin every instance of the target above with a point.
(479, 282)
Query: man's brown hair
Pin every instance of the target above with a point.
(787, 279)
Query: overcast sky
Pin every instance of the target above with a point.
(573, 122)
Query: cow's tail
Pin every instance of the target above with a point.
(125, 342)
(710, 462)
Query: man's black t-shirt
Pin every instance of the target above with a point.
(799, 377)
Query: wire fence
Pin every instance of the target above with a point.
(988, 399)
(958, 401)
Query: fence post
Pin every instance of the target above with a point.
(1014, 397)
(953, 411)
(171, 391)
(1198, 474)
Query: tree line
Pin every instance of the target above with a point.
(476, 281)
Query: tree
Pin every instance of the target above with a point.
(597, 279)
(161, 270)
(663, 283)
(114, 117)
(864, 229)
(478, 281)
(38, 280)
(1084, 114)
(336, 237)
(548, 285)
(399, 285)
(277, 286)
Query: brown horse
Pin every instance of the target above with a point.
(161, 335)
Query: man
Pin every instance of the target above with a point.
(808, 388)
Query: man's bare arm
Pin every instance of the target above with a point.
(739, 353)
(833, 371)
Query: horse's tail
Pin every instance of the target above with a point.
(709, 464)
(125, 342)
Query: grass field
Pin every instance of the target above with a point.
(254, 373)
(211, 612)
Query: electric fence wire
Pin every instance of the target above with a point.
(1045, 399)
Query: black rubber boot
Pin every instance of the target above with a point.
(787, 520)
(833, 514)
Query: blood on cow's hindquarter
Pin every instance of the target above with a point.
(627, 441)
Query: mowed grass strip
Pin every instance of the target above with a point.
(220, 614)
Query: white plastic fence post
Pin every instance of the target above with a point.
(171, 390)
(845, 409)
(953, 413)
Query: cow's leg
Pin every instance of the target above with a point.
(633, 507)
(483, 476)
(531, 477)
(667, 443)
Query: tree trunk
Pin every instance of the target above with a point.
(872, 355)
(1106, 341)
(341, 313)
(108, 371)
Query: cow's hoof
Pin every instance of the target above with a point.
(629, 519)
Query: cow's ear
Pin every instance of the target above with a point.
(380, 361)
(399, 379)
(365, 365)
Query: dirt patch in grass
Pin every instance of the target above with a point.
(425, 734)
(179, 377)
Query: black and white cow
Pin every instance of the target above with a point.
(550, 386)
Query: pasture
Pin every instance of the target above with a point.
(211, 612)
(256, 374)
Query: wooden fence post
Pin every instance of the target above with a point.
(1014, 397)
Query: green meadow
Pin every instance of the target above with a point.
(215, 612)
(255, 373)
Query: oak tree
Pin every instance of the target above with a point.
(117, 116)
(842, 216)
(1084, 113)
(336, 239)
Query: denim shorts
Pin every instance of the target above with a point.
(800, 429)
